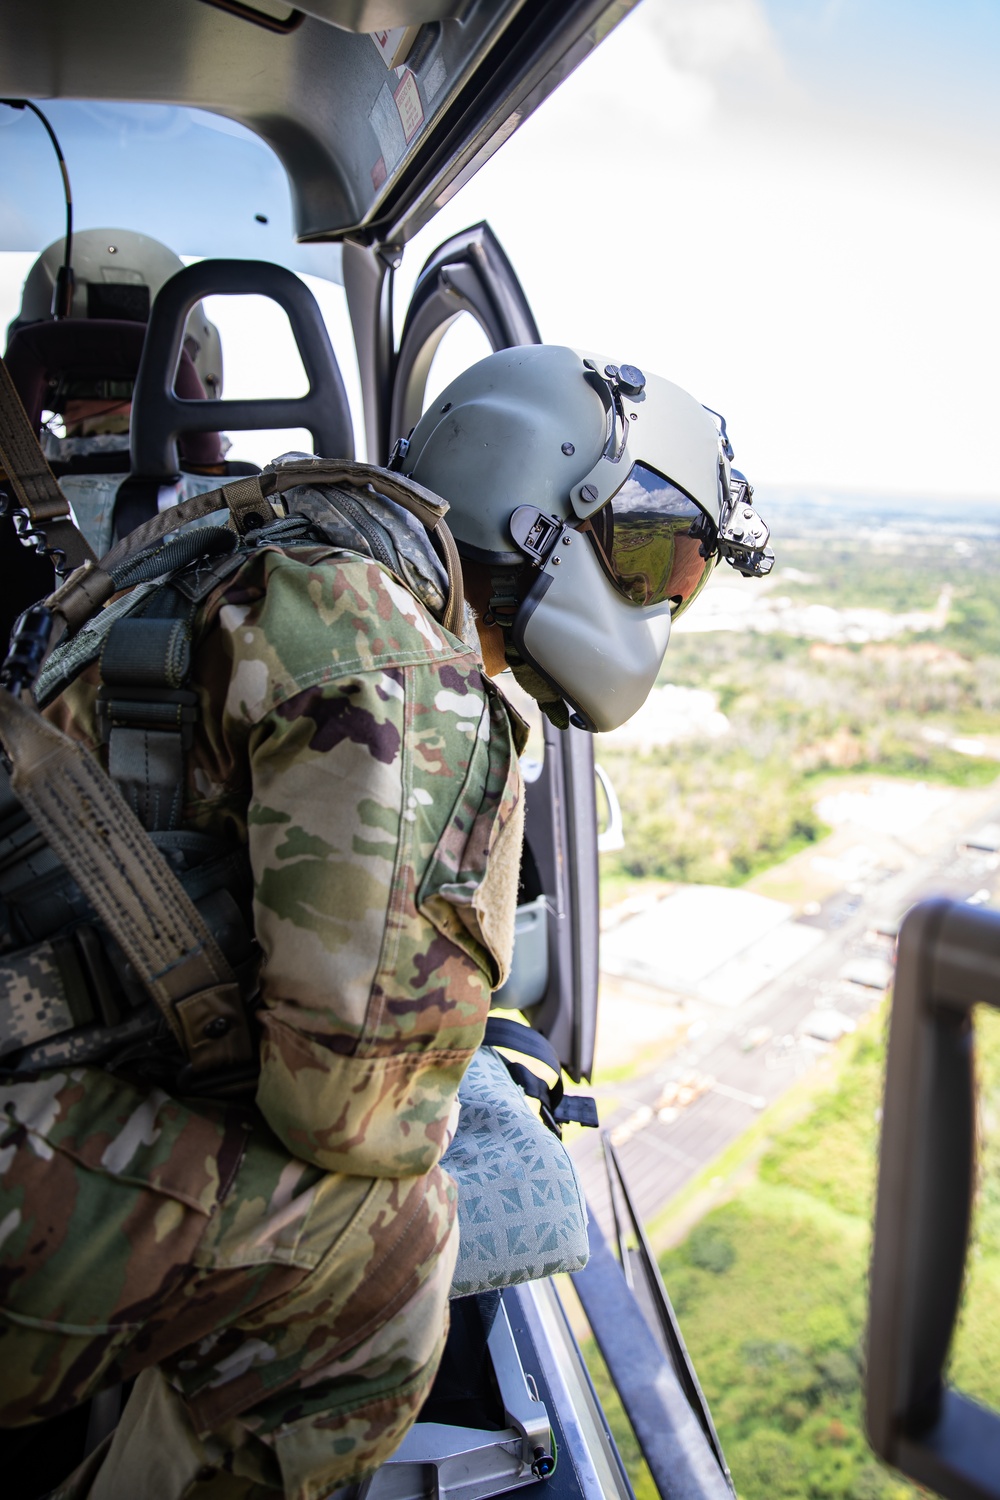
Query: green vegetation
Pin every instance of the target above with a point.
(899, 573)
(770, 1291)
(974, 624)
(720, 810)
(896, 570)
(697, 813)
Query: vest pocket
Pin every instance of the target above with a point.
(469, 890)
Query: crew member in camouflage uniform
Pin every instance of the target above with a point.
(280, 1275)
(277, 1276)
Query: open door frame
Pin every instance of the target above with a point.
(470, 273)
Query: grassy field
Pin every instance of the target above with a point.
(770, 1288)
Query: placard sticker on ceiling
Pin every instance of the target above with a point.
(411, 111)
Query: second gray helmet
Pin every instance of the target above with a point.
(117, 274)
(602, 492)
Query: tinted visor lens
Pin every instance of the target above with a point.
(655, 542)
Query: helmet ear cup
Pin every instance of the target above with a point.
(600, 652)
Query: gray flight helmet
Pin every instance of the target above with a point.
(527, 446)
(109, 266)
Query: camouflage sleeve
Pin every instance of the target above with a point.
(384, 827)
(373, 771)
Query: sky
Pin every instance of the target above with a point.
(789, 207)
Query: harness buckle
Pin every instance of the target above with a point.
(147, 708)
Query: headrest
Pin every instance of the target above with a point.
(99, 348)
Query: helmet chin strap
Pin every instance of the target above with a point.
(505, 596)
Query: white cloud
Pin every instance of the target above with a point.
(665, 71)
(709, 37)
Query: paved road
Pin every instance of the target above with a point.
(662, 1156)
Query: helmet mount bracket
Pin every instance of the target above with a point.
(743, 535)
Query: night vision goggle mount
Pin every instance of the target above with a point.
(743, 536)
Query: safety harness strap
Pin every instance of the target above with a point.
(248, 501)
(101, 842)
(145, 709)
(35, 487)
(557, 1107)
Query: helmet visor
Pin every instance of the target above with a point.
(655, 543)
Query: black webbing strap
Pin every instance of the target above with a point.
(35, 487)
(557, 1107)
(145, 709)
(501, 1032)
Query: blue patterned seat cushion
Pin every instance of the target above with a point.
(521, 1210)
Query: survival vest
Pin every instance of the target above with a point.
(125, 940)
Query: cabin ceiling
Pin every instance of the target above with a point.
(374, 127)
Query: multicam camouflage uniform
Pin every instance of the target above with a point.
(280, 1273)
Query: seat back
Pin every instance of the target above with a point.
(161, 413)
(165, 417)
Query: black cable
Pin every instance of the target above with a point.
(62, 295)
